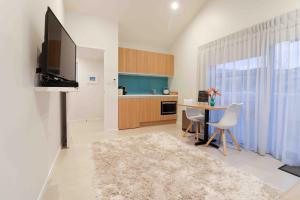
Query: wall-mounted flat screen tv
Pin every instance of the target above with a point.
(59, 50)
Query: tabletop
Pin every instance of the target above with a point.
(202, 106)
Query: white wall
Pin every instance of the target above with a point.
(88, 103)
(217, 19)
(94, 32)
(29, 121)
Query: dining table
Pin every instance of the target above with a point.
(207, 108)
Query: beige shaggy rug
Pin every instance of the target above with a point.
(160, 166)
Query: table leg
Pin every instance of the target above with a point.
(206, 120)
(206, 132)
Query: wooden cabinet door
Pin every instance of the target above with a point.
(162, 62)
(141, 62)
(122, 60)
(169, 65)
(145, 109)
(127, 60)
(150, 109)
(151, 61)
(156, 63)
(131, 60)
(128, 113)
(155, 109)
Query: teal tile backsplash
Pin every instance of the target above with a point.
(143, 84)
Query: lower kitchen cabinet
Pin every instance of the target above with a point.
(128, 113)
(137, 112)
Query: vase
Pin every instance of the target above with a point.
(212, 102)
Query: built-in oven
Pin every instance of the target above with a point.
(168, 107)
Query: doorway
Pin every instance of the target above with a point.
(86, 107)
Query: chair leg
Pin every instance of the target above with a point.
(224, 142)
(212, 137)
(234, 140)
(186, 131)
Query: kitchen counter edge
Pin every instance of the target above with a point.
(144, 95)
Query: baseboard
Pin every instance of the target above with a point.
(49, 174)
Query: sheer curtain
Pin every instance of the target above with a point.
(260, 67)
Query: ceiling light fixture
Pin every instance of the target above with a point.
(175, 5)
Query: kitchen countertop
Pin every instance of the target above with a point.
(145, 95)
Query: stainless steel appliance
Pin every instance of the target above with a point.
(168, 107)
(166, 91)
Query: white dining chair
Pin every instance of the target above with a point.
(195, 116)
(229, 120)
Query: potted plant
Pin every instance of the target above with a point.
(213, 93)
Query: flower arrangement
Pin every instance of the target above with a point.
(213, 93)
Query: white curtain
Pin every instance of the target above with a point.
(260, 67)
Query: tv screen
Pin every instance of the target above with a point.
(60, 49)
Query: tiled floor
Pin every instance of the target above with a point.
(72, 175)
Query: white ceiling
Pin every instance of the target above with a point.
(144, 23)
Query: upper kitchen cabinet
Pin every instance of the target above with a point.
(170, 65)
(145, 62)
(127, 60)
(142, 62)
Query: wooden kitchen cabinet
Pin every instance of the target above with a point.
(160, 67)
(145, 109)
(131, 60)
(169, 65)
(136, 112)
(152, 62)
(127, 60)
(128, 113)
(142, 62)
(145, 62)
(149, 109)
(122, 60)
(155, 109)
